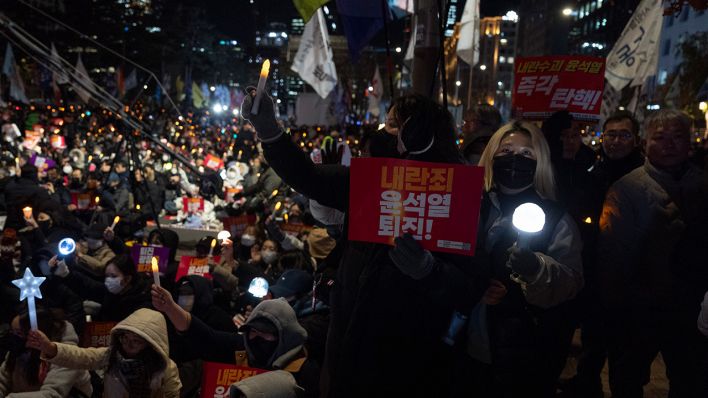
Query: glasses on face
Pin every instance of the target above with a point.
(615, 135)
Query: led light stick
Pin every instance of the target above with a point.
(155, 271)
(258, 287)
(261, 86)
(66, 246)
(529, 219)
(29, 289)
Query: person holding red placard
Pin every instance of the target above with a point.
(390, 307)
(520, 344)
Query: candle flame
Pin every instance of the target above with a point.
(213, 243)
(155, 268)
(277, 206)
(265, 68)
(137, 207)
(275, 192)
(116, 219)
(285, 217)
(97, 199)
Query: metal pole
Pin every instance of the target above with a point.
(427, 50)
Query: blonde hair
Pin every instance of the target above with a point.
(543, 181)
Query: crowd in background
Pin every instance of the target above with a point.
(622, 256)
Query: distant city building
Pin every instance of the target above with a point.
(492, 78)
(543, 29)
(674, 32)
(596, 25)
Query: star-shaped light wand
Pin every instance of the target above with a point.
(29, 289)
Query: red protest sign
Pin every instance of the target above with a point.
(58, 141)
(189, 265)
(236, 225)
(218, 377)
(97, 334)
(213, 162)
(437, 203)
(543, 85)
(192, 205)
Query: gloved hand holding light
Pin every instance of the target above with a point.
(529, 219)
(66, 246)
(258, 287)
(260, 88)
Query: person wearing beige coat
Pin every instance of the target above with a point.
(136, 364)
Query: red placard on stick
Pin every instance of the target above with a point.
(543, 85)
(217, 378)
(437, 203)
(189, 265)
(192, 205)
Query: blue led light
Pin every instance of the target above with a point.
(66, 246)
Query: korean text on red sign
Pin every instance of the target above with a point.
(217, 378)
(436, 203)
(543, 85)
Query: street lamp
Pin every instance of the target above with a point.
(458, 83)
(567, 11)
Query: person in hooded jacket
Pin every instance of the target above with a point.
(24, 374)
(390, 306)
(123, 291)
(25, 191)
(272, 339)
(136, 363)
(92, 252)
(520, 333)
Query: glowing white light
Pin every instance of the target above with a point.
(483, 67)
(212, 89)
(381, 125)
(29, 289)
(529, 218)
(235, 111)
(66, 246)
(217, 108)
(223, 235)
(567, 12)
(458, 83)
(371, 88)
(398, 49)
(258, 287)
(511, 16)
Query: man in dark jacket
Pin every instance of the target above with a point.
(388, 316)
(25, 191)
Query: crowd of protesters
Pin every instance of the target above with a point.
(622, 256)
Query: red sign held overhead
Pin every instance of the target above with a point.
(437, 203)
(544, 85)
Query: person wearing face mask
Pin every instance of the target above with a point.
(136, 364)
(528, 327)
(269, 258)
(25, 191)
(55, 293)
(24, 374)
(272, 339)
(122, 291)
(375, 282)
(92, 252)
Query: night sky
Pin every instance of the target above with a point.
(232, 18)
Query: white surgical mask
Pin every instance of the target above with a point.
(248, 240)
(269, 256)
(114, 284)
(186, 302)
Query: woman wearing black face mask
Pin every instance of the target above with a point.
(524, 312)
(24, 373)
(373, 282)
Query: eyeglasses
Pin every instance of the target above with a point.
(621, 134)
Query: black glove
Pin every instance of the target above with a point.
(274, 231)
(330, 153)
(410, 258)
(524, 262)
(264, 122)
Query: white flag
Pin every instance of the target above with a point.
(634, 56)
(468, 43)
(83, 84)
(410, 52)
(375, 94)
(9, 68)
(59, 77)
(313, 61)
(131, 81)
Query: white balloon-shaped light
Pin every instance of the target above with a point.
(258, 287)
(529, 218)
(66, 246)
(223, 235)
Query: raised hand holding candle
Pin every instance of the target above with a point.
(29, 289)
(213, 245)
(261, 86)
(155, 271)
(27, 211)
